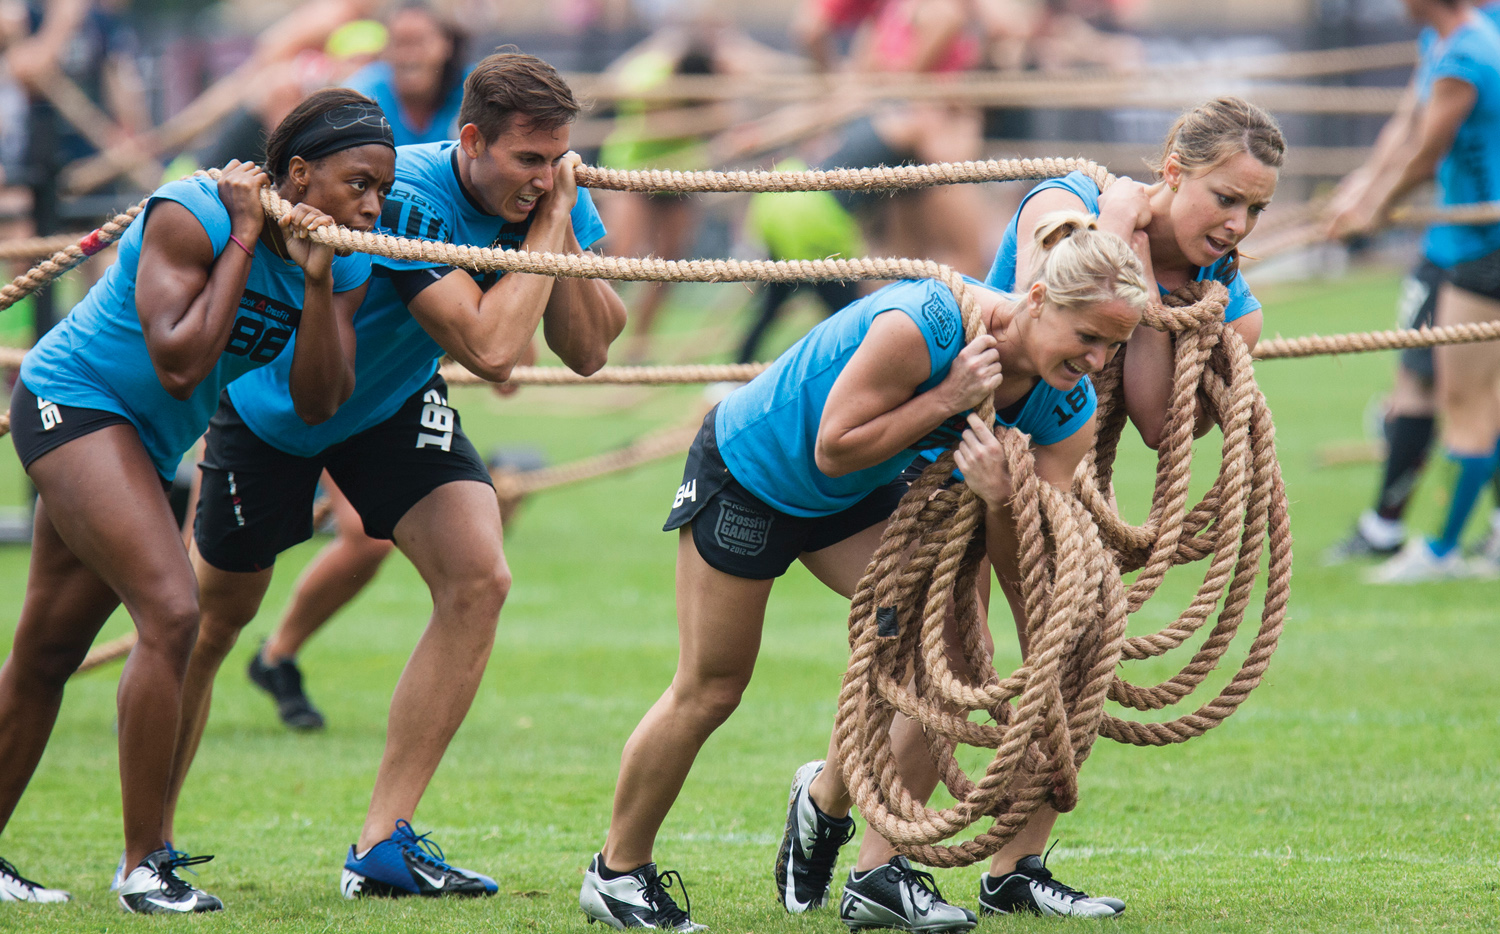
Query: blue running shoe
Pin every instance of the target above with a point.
(408, 864)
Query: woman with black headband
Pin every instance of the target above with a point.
(204, 290)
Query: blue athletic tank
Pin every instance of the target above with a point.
(767, 430)
(394, 356)
(96, 357)
(377, 82)
(1003, 273)
(1470, 172)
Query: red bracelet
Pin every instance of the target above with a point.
(240, 243)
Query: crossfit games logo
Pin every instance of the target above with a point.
(942, 322)
(50, 413)
(740, 531)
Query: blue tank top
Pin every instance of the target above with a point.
(1470, 172)
(1003, 273)
(96, 357)
(767, 430)
(377, 82)
(394, 356)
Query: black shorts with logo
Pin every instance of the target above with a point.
(739, 534)
(257, 500)
(38, 426)
(1417, 308)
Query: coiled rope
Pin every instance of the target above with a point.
(1048, 713)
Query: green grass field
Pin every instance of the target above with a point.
(1356, 790)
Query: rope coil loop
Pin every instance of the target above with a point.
(1047, 714)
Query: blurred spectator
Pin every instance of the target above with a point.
(419, 82)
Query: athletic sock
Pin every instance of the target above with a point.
(1408, 439)
(609, 875)
(1474, 471)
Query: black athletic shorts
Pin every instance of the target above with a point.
(738, 534)
(1417, 308)
(257, 500)
(38, 426)
(1480, 276)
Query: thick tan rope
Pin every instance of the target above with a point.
(68, 257)
(33, 247)
(1046, 715)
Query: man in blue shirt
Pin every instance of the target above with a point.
(396, 448)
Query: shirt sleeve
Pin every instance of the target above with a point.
(350, 272)
(588, 226)
(1458, 62)
(1241, 301)
(203, 202)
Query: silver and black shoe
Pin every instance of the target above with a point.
(809, 847)
(1030, 889)
(901, 897)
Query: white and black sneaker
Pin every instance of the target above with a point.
(1031, 889)
(637, 899)
(154, 888)
(15, 887)
(809, 847)
(899, 896)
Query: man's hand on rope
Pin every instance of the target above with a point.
(239, 188)
(316, 259)
(1361, 217)
(1124, 208)
(982, 461)
(973, 377)
(564, 194)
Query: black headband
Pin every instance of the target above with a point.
(344, 127)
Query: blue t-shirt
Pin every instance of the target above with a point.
(767, 430)
(1003, 273)
(1470, 172)
(377, 82)
(96, 357)
(394, 356)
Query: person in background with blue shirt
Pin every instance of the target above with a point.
(203, 292)
(1457, 93)
(419, 82)
(805, 463)
(396, 447)
(1218, 171)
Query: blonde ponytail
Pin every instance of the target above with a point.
(1082, 265)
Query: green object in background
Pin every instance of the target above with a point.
(16, 324)
(803, 224)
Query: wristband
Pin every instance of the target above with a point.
(241, 244)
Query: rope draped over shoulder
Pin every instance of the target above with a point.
(1046, 715)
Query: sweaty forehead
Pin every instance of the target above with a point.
(1244, 175)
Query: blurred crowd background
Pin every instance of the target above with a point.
(165, 86)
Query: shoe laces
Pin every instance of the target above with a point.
(166, 871)
(661, 902)
(923, 881)
(1044, 876)
(829, 837)
(420, 846)
(9, 869)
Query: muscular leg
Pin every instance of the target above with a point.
(1466, 381)
(336, 575)
(66, 604)
(719, 620)
(124, 532)
(228, 601)
(453, 538)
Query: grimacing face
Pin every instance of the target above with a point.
(509, 173)
(1213, 211)
(350, 186)
(1065, 345)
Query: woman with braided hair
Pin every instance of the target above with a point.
(1217, 173)
(806, 463)
(204, 291)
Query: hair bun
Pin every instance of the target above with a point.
(1058, 226)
